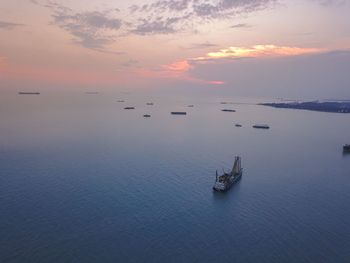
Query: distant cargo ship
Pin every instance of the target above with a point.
(225, 181)
(28, 93)
(147, 115)
(178, 112)
(129, 108)
(228, 110)
(261, 126)
(346, 148)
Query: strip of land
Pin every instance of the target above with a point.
(330, 106)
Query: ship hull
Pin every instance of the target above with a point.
(229, 185)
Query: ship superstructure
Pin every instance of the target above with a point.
(226, 180)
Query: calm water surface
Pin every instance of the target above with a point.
(83, 180)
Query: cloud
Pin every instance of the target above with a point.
(9, 25)
(202, 45)
(89, 28)
(93, 30)
(180, 66)
(97, 29)
(130, 63)
(169, 16)
(242, 25)
(318, 75)
(228, 8)
(183, 69)
(260, 51)
(159, 26)
(331, 2)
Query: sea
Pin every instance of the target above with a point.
(83, 180)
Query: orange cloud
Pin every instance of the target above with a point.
(180, 69)
(180, 66)
(177, 70)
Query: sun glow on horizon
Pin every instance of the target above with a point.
(261, 51)
(181, 69)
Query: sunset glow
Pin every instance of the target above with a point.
(261, 51)
(113, 44)
(180, 69)
(125, 124)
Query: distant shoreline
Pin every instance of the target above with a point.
(334, 106)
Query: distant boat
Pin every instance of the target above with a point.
(190, 106)
(261, 126)
(120, 100)
(346, 148)
(223, 102)
(28, 93)
(150, 103)
(92, 92)
(238, 125)
(129, 108)
(228, 110)
(147, 116)
(178, 113)
(225, 181)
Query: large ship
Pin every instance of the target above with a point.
(346, 148)
(225, 181)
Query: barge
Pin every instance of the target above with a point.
(178, 112)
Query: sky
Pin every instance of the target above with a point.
(278, 48)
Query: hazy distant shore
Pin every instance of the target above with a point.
(334, 106)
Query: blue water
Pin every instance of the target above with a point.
(83, 180)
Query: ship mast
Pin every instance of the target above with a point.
(237, 165)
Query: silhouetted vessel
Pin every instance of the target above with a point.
(150, 103)
(178, 112)
(225, 181)
(238, 125)
(261, 126)
(147, 115)
(346, 148)
(228, 110)
(28, 93)
(129, 108)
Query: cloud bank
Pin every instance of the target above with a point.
(97, 29)
(183, 69)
